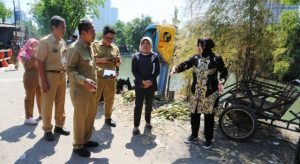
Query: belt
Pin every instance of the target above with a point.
(56, 71)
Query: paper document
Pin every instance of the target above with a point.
(109, 73)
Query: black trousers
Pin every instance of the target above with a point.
(209, 124)
(140, 95)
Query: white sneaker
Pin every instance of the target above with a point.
(30, 121)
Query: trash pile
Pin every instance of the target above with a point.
(173, 110)
(128, 96)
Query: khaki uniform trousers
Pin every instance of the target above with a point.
(32, 90)
(84, 114)
(107, 88)
(56, 94)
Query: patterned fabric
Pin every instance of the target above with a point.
(199, 100)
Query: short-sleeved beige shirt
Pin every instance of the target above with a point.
(101, 50)
(80, 62)
(52, 52)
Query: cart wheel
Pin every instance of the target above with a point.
(238, 123)
(297, 153)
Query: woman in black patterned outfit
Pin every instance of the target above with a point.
(205, 87)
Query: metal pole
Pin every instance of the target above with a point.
(15, 14)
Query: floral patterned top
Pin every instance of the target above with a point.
(205, 81)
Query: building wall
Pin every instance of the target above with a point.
(108, 16)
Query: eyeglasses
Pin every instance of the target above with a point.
(109, 38)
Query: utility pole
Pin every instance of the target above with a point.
(15, 13)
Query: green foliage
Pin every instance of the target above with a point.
(239, 29)
(281, 67)
(135, 30)
(286, 55)
(174, 110)
(73, 12)
(120, 33)
(4, 12)
(128, 96)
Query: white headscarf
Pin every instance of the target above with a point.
(146, 38)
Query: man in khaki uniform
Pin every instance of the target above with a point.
(51, 65)
(80, 65)
(107, 57)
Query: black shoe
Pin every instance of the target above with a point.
(62, 131)
(136, 131)
(49, 136)
(191, 139)
(149, 126)
(82, 152)
(110, 122)
(207, 144)
(91, 144)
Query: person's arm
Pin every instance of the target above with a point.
(222, 70)
(156, 70)
(135, 71)
(118, 61)
(41, 67)
(185, 65)
(41, 58)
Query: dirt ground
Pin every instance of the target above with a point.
(268, 145)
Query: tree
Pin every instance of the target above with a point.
(175, 20)
(135, 30)
(4, 12)
(287, 53)
(73, 12)
(120, 38)
(239, 29)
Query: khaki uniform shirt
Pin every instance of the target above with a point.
(52, 52)
(101, 50)
(80, 63)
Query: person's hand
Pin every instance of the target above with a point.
(103, 60)
(90, 85)
(45, 87)
(117, 61)
(220, 87)
(146, 83)
(173, 71)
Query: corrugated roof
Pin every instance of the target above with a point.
(7, 25)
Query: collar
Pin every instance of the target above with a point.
(54, 39)
(101, 43)
(85, 45)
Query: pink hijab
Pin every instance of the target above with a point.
(25, 51)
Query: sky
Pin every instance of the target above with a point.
(159, 10)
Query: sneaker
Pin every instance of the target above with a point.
(110, 122)
(149, 126)
(136, 131)
(82, 152)
(30, 121)
(190, 139)
(49, 136)
(91, 144)
(207, 145)
(61, 130)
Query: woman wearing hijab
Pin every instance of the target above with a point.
(145, 68)
(30, 79)
(205, 87)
